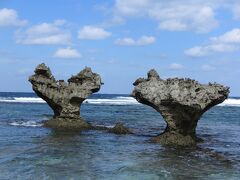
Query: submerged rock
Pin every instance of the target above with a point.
(119, 128)
(181, 102)
(64, 98)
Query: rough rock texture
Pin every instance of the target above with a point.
(181, 102)
(119, 128)
(64, 98)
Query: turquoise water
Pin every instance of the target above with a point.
(29, 151)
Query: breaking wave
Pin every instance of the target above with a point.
(26, 123)
(231, 102)
(115, 101)
(21, 100)
(120, 100)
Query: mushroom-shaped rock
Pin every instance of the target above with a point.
(64, 98)
(181, 102)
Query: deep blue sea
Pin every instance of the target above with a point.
(30, 151)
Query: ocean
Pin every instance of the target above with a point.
(30, 151)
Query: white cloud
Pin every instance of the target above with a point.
(125, 42)
(9, 17)
(186, 15)
(59, 22)
(197, 51)
(67, 53)
(142, 41)
(174, 15)
(93, 33)
(175, 66)
(207, 67)
(232, 36)
(228, 42)
(200, 51)
(172, 25)
(44, 33)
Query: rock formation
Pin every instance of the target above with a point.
(64, 98)
(119, 128)
(181, 102)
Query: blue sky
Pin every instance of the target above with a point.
(121, 40)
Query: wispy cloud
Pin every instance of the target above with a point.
(207, 67)
(232, 36)
(44, 34)
(228, 42)
(176, 66)
(67, 53)
(236, 11)
(200, 51)
(9, 17)
(93, 33)
(198, 16)
(142, 41)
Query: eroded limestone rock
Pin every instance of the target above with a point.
(119, 128)
(181, 102)
(64, 98)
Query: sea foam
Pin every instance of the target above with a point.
(231, 102)
(120, 100)
(22, 100)
(26, 123)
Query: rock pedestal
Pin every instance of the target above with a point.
(181, 102)
(64, 98)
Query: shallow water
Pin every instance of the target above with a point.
(29, 151)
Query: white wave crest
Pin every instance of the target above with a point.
(22, 100)
(107, 126)
(115, 101)
(120, 100)
(231, 102)
(26, 123)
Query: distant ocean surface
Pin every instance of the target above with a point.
(105, 99)
(30, 151)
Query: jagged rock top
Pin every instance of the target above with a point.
(155, 91)
(63, 97)
(84, 83)
(43, 70)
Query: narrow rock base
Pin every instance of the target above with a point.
(169, 138)
(67, 124)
